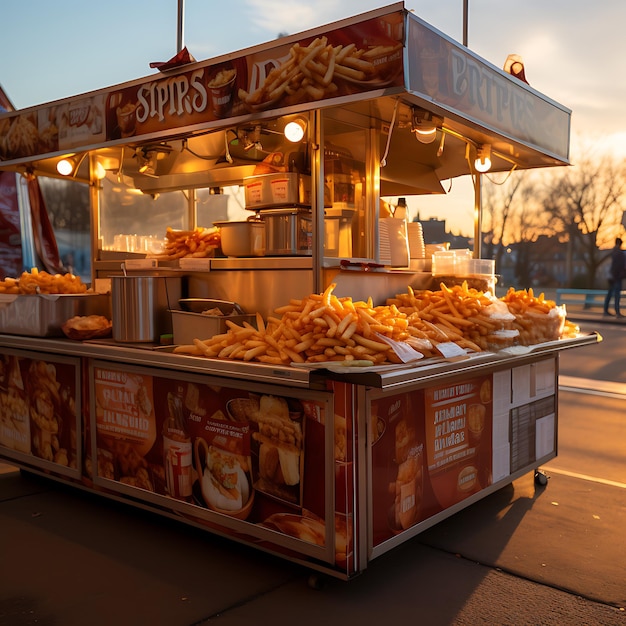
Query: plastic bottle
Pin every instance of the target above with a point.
(401, 211)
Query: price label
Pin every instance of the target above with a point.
(198, 265)
(450, 350)
(140, 264)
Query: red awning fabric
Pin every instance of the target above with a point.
(43, 234)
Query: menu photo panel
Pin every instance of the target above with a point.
(40, 407)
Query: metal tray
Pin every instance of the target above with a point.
(43, 315)
(188, 326)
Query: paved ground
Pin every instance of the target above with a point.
(525, 555)
(521, 556)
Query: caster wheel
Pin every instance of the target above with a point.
(541, 479)
(316, 581)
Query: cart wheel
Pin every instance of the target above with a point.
(316, 581)
(541, 478)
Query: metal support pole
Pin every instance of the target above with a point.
(180, 33)
(465, 21)
(478, 216)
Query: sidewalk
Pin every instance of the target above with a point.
(71, 558)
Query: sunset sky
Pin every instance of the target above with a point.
(572, 50)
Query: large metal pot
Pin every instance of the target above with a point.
(140, 307)
(241, 239)
(288, 231)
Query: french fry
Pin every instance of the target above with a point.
(190, 349)
(376, 346)
(349, 331)
(202, 347)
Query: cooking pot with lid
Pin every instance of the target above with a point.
(288, 231)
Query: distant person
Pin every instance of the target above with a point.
(616, 274)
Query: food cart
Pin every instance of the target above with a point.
(323, 461)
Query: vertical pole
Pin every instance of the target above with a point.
(465, 21)
(180, 33)
(478, 216)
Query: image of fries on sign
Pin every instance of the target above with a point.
(341, 62)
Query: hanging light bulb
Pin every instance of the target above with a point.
(66, 166)
(482, 163)
(424, 125)
(294, 130)
(425, 136)
(99, 170)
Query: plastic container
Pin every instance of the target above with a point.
(455, 267)
(450, 262)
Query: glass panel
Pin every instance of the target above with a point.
(130, 220)
(225, 204)
(346, 232)
(67, 203)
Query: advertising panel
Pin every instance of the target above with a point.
(354, 59)
(38, 409)
(258, 457)
(447, 73)
(357, 58)
(10, 227)
(430, 449)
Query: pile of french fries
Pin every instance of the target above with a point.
(536, 318)
(457, 314)
(310, 72)
(318, 328)
(197, 243)
(324, 327)
(39, 281)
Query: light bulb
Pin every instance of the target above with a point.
(482, 163)
(99, 171)
(294, 131)
(65, 166)
(426, 135)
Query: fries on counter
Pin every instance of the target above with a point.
(324, 327)
(197, 243)
(536, 318)
(38, 281)
(320, 327)
(470, 318)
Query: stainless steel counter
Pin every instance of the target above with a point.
(307, 376)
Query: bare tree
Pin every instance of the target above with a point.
(585, 203)
(497, 206)
(513, 216)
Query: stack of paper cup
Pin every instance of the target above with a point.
(416, 240)
(393, 241)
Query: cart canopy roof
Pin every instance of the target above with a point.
(387, 68)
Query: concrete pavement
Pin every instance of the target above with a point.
(520, 556)
(524, 555)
